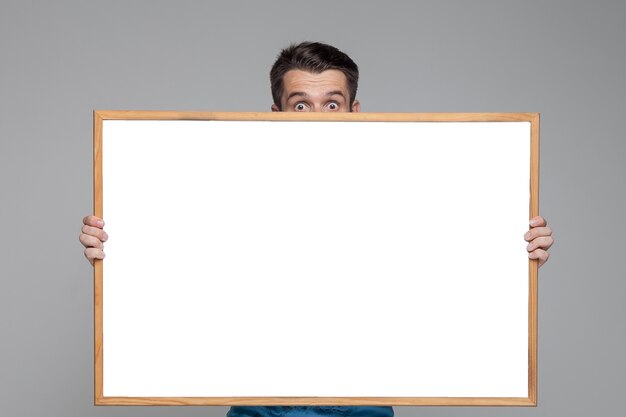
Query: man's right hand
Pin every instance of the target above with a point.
(92, 236)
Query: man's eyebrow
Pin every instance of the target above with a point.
(305, 95)
(297, 94)
(336, 93)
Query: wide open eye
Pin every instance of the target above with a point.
(300, 107)
(332, 106)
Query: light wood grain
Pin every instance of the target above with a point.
(318, 401)
(97, 210)
(314, 116)
(534, 265)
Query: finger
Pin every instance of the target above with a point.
(93, 221)
(89, 241)
(543, 242)
(92, 254)
(536, 232)
(538, 221)
(539, 254)
(96, 232)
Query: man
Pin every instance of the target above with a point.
(314, 77)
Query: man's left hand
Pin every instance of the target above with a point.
(539, 239)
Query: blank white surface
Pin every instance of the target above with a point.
(315, 259)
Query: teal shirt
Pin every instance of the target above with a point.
(310, 411)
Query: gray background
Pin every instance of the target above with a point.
(60, 60)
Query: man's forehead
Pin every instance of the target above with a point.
(314, 83)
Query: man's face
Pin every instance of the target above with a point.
(306, 91)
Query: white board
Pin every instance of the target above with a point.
(315, 259)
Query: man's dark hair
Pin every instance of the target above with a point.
(312, 57)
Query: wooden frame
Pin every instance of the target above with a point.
(530, 400)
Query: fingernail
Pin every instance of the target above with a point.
(100, 223)
(529, 247)
(527, 235)
(105, 237)
(535, 222)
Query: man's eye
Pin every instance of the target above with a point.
(333, 106)
(300, 107)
